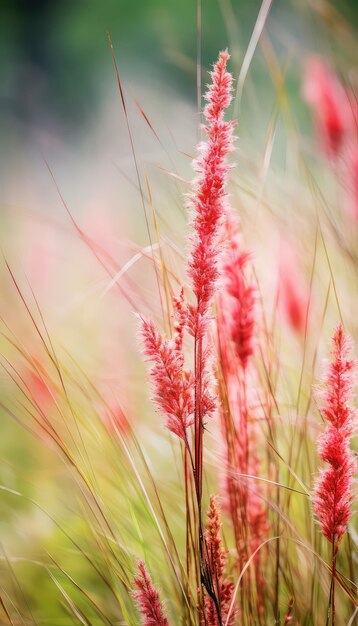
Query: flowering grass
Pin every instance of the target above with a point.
(226, 497)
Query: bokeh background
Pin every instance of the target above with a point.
(74, 201)
(58, 90)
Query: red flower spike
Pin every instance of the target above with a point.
(147, 599)
(238, 296)
(172, 384)
(333, 115)
(333, 494)
(216, 558)
(208, 198)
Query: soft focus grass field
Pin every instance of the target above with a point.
(90, 478)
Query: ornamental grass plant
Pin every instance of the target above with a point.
(179, 433)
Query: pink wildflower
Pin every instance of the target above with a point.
(185, 397)
(293, 290)
(172, 384)
(218, 601)
(39, 388)
(147, 599)
(239, 296)
(208, 204)
(333, 489)
(209, 195)
(114, 418)
(329, 101)
(236, 331)
(336, 113)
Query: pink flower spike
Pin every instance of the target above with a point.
(333, 493)
(208, 198)
(293, 290)
(238, 297)
(172, 384)
(221, 588)
(147, 599)
(324, 93)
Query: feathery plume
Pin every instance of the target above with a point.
(333, 489)
(172, 384)
(293, 291)
(236, 333)
(335, 111)
(208, 198)
(238, 296)
(208, 201)
(219, 589)
(147, 599)
(185, 397)
(324, 93)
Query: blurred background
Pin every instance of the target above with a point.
(58, 96)
(58, 89)
(55, 63)
(82, 174)
(69, 146)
